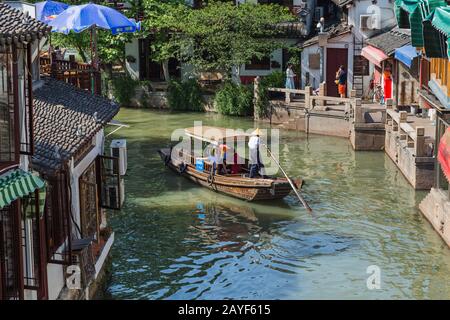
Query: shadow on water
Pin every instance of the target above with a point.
(175, 240)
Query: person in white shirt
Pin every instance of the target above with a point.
(254, 159)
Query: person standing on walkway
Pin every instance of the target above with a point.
(341, 81)
(290, 77)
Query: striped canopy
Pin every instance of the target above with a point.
(441, 21)
(18, 184)
(411, 14)
(436, 33)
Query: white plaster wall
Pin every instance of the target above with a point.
(314, 74)
(132, 49)
(276, 55)
(24, 7)
(55, 279)
(384, 8)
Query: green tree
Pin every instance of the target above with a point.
(163, 19)
(223, 35)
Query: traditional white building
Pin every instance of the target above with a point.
(55, 180)
(82, 183)
(347, 32)
(21, 190)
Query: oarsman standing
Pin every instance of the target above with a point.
(255, 159)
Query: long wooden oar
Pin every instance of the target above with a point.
(307, 207)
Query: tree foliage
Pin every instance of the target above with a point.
(234, 99)
(219, 36)
(223, 35)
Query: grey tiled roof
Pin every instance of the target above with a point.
(15, 26)
(342, 3)
(390, 40)
(333, 30)
(65, 119)
(291, 29)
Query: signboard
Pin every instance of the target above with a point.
(314, 60)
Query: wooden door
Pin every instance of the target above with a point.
(335, 58)
(144, 53)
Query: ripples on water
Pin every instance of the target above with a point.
(175, 240)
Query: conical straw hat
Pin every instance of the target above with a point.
(257, 132)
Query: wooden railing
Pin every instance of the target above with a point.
(78, 74)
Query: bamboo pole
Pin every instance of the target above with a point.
(305, 204)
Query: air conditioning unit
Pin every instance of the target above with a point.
(318, 13)
(368, 22)
(119, 150)
(113, 192)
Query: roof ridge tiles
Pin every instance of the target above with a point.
(61, 109)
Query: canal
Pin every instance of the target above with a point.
(175, 240)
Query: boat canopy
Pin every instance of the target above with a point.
(215, 134)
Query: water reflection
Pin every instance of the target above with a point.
(224, 245)
(175, 240)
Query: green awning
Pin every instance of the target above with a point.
(411, 13)
(18, 184)
(401, 15)
(436, 34)
(441, 21)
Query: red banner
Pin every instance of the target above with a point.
(444, 153)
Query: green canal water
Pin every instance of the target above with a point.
(175, 240)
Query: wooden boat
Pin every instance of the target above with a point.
(236, 185)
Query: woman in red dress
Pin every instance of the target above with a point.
(387, 80)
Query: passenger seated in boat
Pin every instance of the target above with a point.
(235, 167)
(223, 166)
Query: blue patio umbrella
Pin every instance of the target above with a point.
(86, 16)
(48, 10)
(90, 17)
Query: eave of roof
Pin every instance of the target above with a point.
(17, 27)
(390, 40)
(66, 118)
(334, 30)
(342, 3)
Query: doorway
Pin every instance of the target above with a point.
(335, 58)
